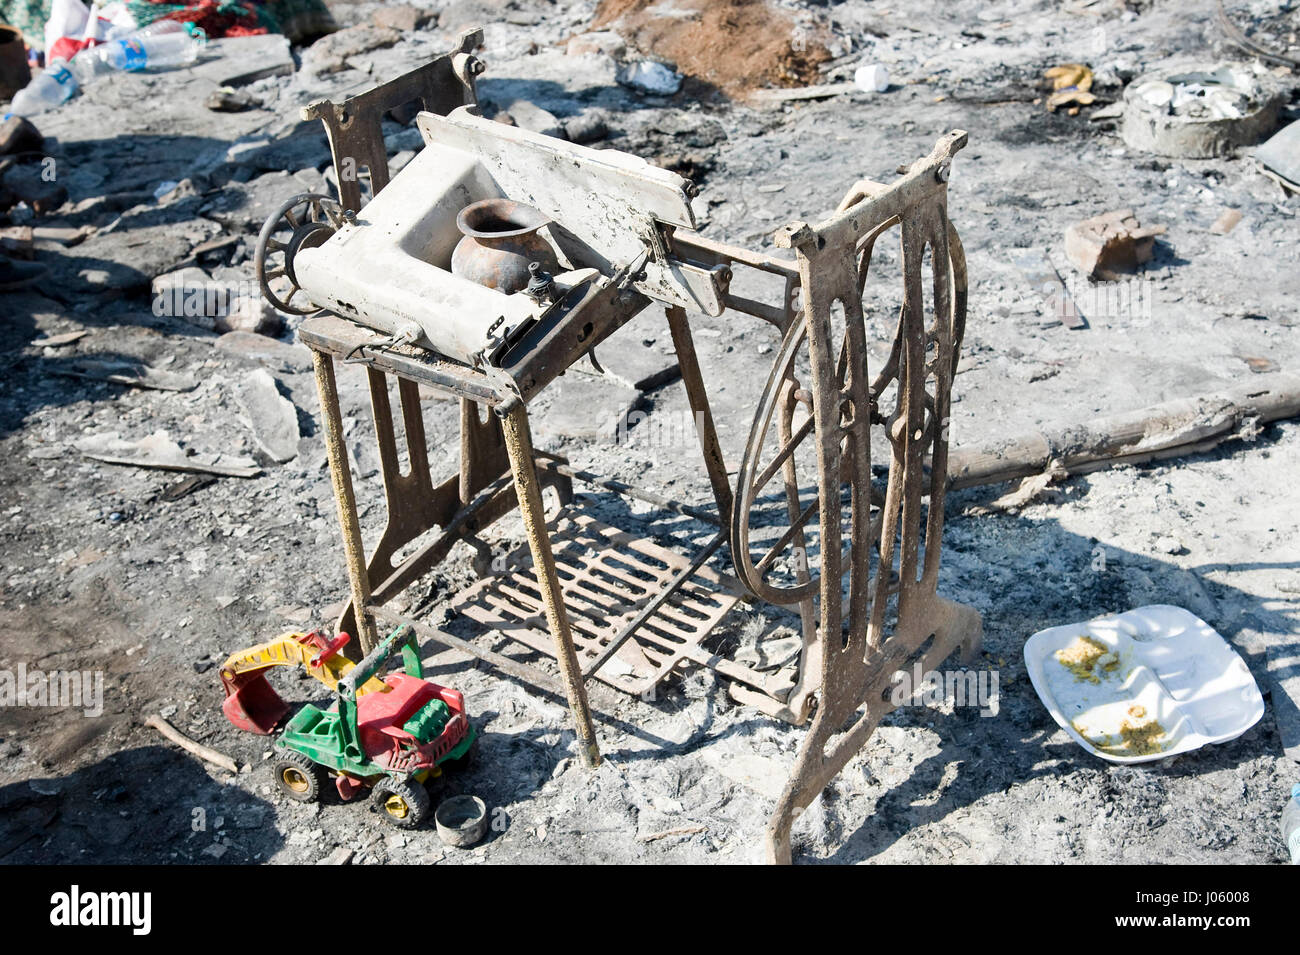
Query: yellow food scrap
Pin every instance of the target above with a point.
(1135, 739)
(1084, 656)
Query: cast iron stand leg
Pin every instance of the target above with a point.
(519, 444)
(341, 477)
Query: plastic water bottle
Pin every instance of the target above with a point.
(161, 44)
(52, 86)
(1291, 824)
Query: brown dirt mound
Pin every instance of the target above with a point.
(736, 45)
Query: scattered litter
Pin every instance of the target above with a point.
(650, 77)
(186, 487)
(1071, 86)
(158, 450)
(872, 78)
(1110, 244)
(1226, 222)
(1260, 366)
(1291, 825)
(124, 372)
(1143, 685)
(461, 821)
(1199, 112)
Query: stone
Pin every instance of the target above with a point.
(330, 53)
(587, 127)
(273, 417)
(527, 115)
(648, 76)
(18, 135)
(1109, 244)
(403, 16)
(227, 100)
(598, 43)
(228, 301)
(274, 354)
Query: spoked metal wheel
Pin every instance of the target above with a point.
(303, 222)
(782, 398)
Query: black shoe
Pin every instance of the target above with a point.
(15, 274)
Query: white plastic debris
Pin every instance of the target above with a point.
(871, 79)
(650, 77)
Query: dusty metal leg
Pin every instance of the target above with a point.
(519, 444)
(341, 476)
(699, 400)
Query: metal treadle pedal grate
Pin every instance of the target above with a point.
(608, 576)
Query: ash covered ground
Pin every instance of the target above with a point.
(114, 569)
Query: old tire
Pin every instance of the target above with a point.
(297, 776)
(402, 802)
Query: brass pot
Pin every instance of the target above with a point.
(14, 71)
(500, 240)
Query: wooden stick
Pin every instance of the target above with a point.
(190, 746)
(1167, 430)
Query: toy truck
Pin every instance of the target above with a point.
(387, 736)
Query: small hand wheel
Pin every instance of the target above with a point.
(303, 222)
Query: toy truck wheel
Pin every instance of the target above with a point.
(298, 777)
(403, 803)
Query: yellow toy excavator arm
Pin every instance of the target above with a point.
(253, 705)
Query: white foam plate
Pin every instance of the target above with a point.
(1171, 663)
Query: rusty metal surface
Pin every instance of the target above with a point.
(607, 605)
(519, 443)
(353, 126)
(608, 578)
(856, 649)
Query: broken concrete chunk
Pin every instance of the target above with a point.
(1281, 154)
(227, 302)
(18, 135)
(126, 372)
(273, 417)
(275, 354)
(33, 184)
(531, 117)
(588, 127)
(158, 450)
(1112, 243)
(330, 53)
(1226, 222)
(403, 17)
(228, 100)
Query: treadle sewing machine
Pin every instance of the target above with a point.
(494, 261)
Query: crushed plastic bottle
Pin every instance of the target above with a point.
(1291, 825)
(49, 88)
